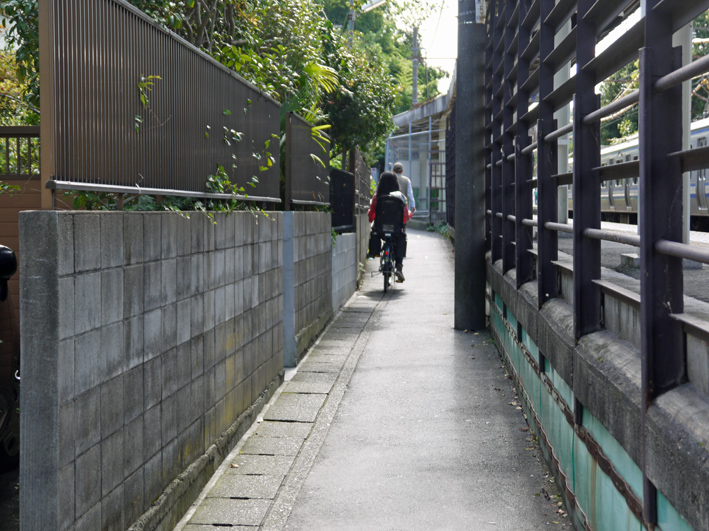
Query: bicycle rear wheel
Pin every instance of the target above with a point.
(386, 265)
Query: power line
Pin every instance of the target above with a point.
(433, 39)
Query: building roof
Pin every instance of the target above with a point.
(435, 108)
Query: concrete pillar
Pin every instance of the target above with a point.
(470, 170)
(290, 347)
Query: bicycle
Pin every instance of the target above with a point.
(386, 261)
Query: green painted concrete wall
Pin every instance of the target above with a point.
(598, 499)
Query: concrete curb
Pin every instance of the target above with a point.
(280, 510)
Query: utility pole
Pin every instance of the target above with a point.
(415, 68)
(351, 19)
(470, 168)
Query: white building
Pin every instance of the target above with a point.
(419, 143)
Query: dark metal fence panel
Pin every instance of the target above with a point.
(307, 164)
(450, 169)
(133, 105)
(527, 45)
(342, 200)
(19, 153)
(363, 176)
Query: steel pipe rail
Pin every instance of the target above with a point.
(559, 227)
(682, 250)
(612, 236)
(617, 105)
(695, 68)
(529, 222)
(136, 190)
(531, 147)
(559, 133)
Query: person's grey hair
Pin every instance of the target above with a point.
(398, 168)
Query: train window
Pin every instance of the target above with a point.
(702, 142)
(635, 157)
(627, 158)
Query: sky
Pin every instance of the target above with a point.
(439, 39)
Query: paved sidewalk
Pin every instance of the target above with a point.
(393, 421)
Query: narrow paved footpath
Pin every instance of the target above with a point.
(395, 421)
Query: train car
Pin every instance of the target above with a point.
(619, 197)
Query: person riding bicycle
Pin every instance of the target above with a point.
(389, 186)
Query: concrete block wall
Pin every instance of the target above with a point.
(312, 248)
(344, 269)
(146, 340)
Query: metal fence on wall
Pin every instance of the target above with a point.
(525, 49)
(363, 176)
(307, 164)
(342, 200)
(128, 106)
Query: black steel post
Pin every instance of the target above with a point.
(470, 173)
(508, 166)
(547, 211)
(661, 282)
(496, 180)
(523, 166)
(488, 130)
(586, 186)
(547, 164)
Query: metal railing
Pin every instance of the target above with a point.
(19, 153)
(129, 107)
(307, 164)
(528, 43)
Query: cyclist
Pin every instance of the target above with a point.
(405, 185)
(389, 186)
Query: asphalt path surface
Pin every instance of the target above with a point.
(429, 433)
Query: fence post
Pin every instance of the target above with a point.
(587, 157)
(470, 172)
(496, 155)
(290, 347)
(661, 282)
(523, 163)
(288, 192)
(508, 166)
(547, 211)
(46, 102)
